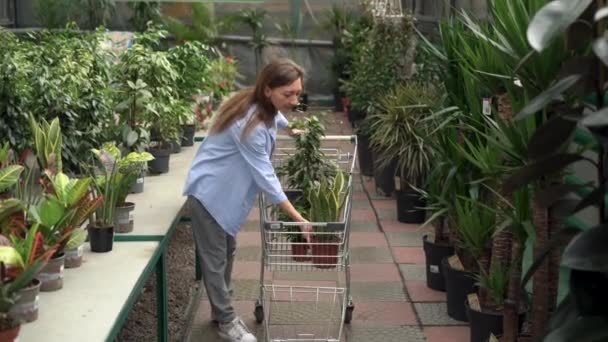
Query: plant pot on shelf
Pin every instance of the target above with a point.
(338, 103)
(355, 116)
(123, 221)
(366, 162)
(73, 257)
(188, 135)
(324, 252)
(51, 275)
(101, 238)
(176, 146)
(138, 185)
(458, 284)
(434, 254)
(11, 334)
(25, 308)
(409, 204)
(483, 323)
(160, 164)
(384, 178)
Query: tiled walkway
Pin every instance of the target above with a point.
(392, 302)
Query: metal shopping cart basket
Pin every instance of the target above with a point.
(293, 311)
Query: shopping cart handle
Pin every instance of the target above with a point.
(327, 137)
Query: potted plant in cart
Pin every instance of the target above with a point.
(327, 199)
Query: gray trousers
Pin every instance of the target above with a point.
(216, 250)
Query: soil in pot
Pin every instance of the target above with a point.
(188, 135)
(51, 275)
(123, 222)
(324, 252)
(101, 239)
(299, 251)
(486, 322)
(73, 257)
(160, 164)
(26, 307)
(409, 204)
(435, 253)
(459, 284)
(366, 162)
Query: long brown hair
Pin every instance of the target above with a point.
(278, 73)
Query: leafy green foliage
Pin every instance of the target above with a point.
(327, 198)
(495, 282)
(144, 12)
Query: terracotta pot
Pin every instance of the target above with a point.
(299, 252)
(10, 335)
(325, 253)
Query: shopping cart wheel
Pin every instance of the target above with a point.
(348, 315)
(259, 312)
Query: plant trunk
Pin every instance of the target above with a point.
(540, 301)
(511, 307)
(555, 224)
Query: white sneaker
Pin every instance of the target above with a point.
(236, 331)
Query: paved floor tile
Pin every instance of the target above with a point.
(447, 334)
(413, 272)
(248, 253)
(405, 239)
(247, 270)
(378, 292)
(374, 272)
(363, 255)
(387, 214)
(408, 255)
(396, 226)
(247, 238)
(419, 292)
(363, 215)
(435, 314)
(384, 334)
(364, 226)
(363, 239)
(384, 313)
(384, 204)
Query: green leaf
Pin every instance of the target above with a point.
(538, 169)
(546, 97)
(601, 14)
(9, 176)
(599, 118)
(600, 47)
(550, 137)
(10, 256)
(76, 239)
(588, 252)
(581, 329)
(51, 212)
(552, 20)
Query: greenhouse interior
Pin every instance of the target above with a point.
(303, 170)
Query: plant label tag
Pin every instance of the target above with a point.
(140, 180)
(131, 217)
(487, 106)
(434, 269)
(80, 250)
(398, 183)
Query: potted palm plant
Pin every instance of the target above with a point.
(401, 134)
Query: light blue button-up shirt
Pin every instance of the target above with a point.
(229, 171)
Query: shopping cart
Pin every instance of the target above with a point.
(292, 312)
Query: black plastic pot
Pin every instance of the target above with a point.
(338, 106)
(409, 203)
(482, 324)
(188, 135)
(160, 164)
(355, 115)
(101, 239)
(434, 254)
(176, 146)
(458, 284)
(366, 162)
(384, 178)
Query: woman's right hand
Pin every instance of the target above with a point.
(306, 230)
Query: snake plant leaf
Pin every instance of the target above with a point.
(9, 176)
(553, 20)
